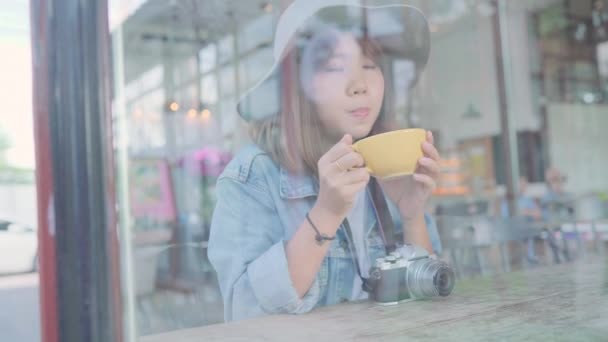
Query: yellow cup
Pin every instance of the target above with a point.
(392, 154)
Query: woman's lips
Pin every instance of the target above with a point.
(360, 112)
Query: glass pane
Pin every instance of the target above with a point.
(227, 81)
(255, 66)
(226, 48)
(145, 122)
(186, 70)
(258, 32)
(149, 80)
(209, 89)
(20, 284)
(208, 58)
(240, 166)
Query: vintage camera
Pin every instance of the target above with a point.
(409, 273)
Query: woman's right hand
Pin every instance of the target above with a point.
(342, 176)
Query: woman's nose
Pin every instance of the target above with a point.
(357, 87)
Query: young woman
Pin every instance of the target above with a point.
(296, 224)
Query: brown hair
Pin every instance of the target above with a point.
(296, 138)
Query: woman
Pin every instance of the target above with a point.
(293, 210)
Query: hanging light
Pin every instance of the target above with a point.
(205, 115)
(174, 106)
(192, 114)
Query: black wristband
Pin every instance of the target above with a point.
(320, 238)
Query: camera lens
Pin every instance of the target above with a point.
(444, 281)
(429, 278)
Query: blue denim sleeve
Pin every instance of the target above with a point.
(246, 248)
(431, 226)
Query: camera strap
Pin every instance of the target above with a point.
(383, 216)
(385, 226)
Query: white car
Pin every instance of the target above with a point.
(18, 248)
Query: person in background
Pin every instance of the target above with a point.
(557, 207)
(526, 206)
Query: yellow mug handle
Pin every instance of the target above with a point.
(366, 167)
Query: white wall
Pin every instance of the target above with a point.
(462, 70)
(578, 145)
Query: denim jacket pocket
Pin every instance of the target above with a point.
(339, 247)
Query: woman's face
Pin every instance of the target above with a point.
(347, 91)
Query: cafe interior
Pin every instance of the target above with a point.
(515, 93)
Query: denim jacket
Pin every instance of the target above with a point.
(259, 207)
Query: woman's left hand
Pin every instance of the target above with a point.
(411, 194)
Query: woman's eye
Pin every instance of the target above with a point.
(333, 69)
(370, 67)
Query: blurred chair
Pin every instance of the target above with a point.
(190, 298)
(482, 244)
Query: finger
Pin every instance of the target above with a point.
(430, 151)
(347, 139)
(429, 165)
(354, 176)
(349, 161)
(341, 148)
(356, 187)
(425, 180)
(429, 137)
